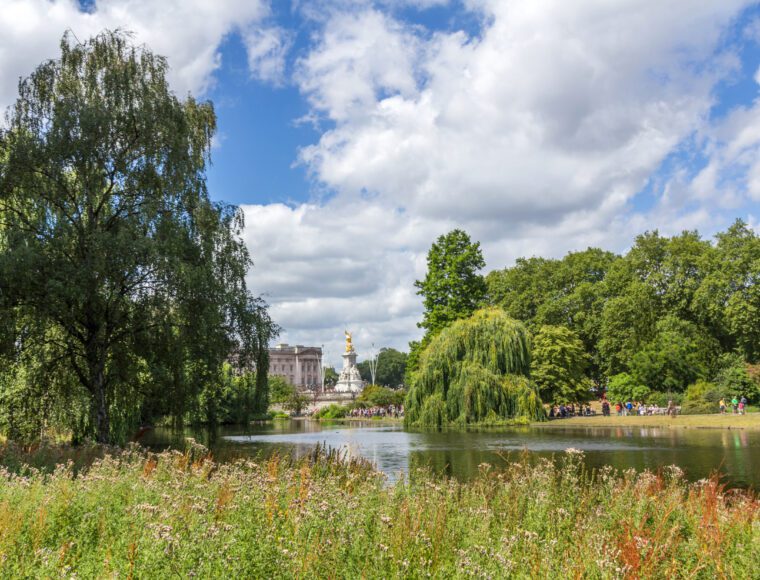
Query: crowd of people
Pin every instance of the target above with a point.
(562, 411)
(738, 406)
(395, 411)
(638, 408)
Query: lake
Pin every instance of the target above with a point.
(393, 450)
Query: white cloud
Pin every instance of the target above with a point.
(733, 146)
(267, 49)
(557, 108)
(534, 136)
(188, 32)
(325, 268)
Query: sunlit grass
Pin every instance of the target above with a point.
(136, 514)
(717, 421)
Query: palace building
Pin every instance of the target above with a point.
(299, 365)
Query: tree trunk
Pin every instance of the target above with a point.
(97, 387)
(102, 422)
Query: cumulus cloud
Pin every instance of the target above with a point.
(535, 135)
(188, 32)
(557, 108)
(267, 50)
(328, 267)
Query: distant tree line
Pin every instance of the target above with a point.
(122, 285)
(670, 313)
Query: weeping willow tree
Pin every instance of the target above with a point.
(475, 370)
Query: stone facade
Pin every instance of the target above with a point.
(300, 365)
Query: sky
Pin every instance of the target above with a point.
(353, 133)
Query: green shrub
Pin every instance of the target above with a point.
(734, 377)
(332, 411)
(377, 396)
(623, 387)
(661, 399)
(703, 398)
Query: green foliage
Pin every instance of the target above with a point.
(280, 390)
(623, 387)
(287, 395)
(665, 312)
(679, 355)
(452, 288)
(558, 365)
(471, 368)
(118, 275)
(391, 368)
(702, 398)
(332, 411)
(627, 323)
(661, 399)
(236, 402)
(119, 518)
(729, 297)
(296, 402)
(567, 292)
(734, 376)
(331, 376)
(377, 396)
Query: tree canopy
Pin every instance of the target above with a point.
(452, 288)
(658, 318)
(474, 370)
(122, 285)
(558, 365)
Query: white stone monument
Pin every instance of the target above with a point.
(349, 381)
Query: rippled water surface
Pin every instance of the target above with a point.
(699, 452)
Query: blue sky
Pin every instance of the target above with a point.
(354, 132)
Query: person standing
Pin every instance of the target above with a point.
(734, 404)
(722, 405)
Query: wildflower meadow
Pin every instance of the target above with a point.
(135, 514)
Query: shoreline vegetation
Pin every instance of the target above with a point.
(134, 513)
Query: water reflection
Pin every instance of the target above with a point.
(395, 451)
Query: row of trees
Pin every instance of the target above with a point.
(122, 285)
(669, 313)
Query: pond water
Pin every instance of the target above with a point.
(699, 452)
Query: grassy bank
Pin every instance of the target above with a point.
(134, 514)
(376, 420)
(717, 421)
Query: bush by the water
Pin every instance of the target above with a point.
(332, 411)
(142, 515)
(476, 368)
(377, 396)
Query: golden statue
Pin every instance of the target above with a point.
(349, 346)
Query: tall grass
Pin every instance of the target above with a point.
(135, 514)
